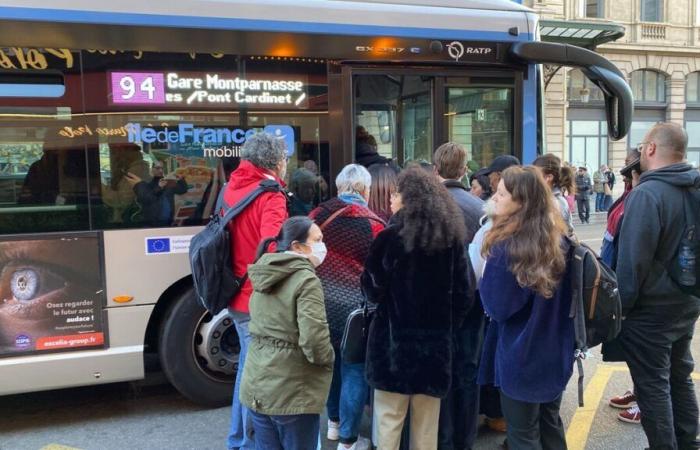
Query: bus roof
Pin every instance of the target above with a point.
(439, 19)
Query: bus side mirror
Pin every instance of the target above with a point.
(619, 103)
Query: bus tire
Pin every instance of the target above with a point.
(180, 352)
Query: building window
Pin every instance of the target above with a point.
(693, 129)
(648, 86)
(652, 10)
(579, 86)
(594, 8)
(692, 89)
(588, 143)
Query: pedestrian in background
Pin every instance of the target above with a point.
(528, 353)
(608, 253)
(659, 317)
(583, 192)
(459, 410)
(289, 365)
(560, 179)
(598, 182)
(608, 185)
(417, 274)
(263, 158)
(349, 228)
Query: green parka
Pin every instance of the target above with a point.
(289, 365)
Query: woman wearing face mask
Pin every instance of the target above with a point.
(525, 289)
(349, 228)
(289, 364)
(417, 274)
(561, 180)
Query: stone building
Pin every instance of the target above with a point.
(660, 56)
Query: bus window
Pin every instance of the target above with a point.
(393, 118)
(169, 129)
(481, 119)
(43, 172)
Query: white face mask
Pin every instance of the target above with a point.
(318, 253)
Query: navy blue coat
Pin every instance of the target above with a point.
(529, 347)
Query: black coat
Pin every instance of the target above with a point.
(420, 299)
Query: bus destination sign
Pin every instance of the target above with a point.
(211, 90)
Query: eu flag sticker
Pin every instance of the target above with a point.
(157, 245)
(285, 133)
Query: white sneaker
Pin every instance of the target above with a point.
(360, 444)
(333, 431)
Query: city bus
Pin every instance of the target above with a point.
(97, 98)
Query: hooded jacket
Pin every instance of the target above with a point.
(262, 219)
(651, 231)
(289, 365)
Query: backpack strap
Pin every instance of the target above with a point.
(576, 312)
(265, 186)
(333, 216)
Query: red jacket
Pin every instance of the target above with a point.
(261, 219)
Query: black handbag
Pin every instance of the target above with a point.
(353, 347)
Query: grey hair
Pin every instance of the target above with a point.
(354, 178)
(264, 150)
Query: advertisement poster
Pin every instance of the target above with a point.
(51, 294)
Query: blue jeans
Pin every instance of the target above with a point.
(599, 201)
(607, 203)
(293, 432)
(347, 398)
(241, 433)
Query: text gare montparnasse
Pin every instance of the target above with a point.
(208, 88)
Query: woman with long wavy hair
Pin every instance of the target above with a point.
(525, 289)
(418, 276)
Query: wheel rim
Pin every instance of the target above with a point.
(216, 347)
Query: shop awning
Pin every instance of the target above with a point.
(582, 34)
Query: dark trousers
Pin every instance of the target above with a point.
(656, 344)
(584, 209)
(294, 432)
(533, 426)
(459, 410)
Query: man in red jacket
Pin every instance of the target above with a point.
(263, 157)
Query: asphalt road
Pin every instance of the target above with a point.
(152, 415)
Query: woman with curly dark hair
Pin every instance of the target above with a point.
(525, 289)
(418, 275)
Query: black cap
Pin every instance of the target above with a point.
(501, 163)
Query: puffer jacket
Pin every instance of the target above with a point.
(289, 365)
(348, 238)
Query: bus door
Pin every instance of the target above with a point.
(404, 114)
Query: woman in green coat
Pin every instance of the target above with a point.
(288, 370)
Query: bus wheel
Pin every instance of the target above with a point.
(198, 352)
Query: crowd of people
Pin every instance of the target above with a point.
(469, 295)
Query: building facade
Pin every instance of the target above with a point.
(660, 56)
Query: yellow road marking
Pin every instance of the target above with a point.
(580, 426)
(581, 422)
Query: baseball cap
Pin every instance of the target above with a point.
(501, 163)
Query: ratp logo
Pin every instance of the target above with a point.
(23, 341)
(455, 50)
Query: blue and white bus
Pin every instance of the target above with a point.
(89, 284)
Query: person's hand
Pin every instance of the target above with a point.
(162, 183)
(132, 179)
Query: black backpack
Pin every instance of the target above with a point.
(684, 269)
(210, 253)
(595, 305)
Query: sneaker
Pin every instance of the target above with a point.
(360, 444)
(632, 415)
(333, 431)
(625, 401)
